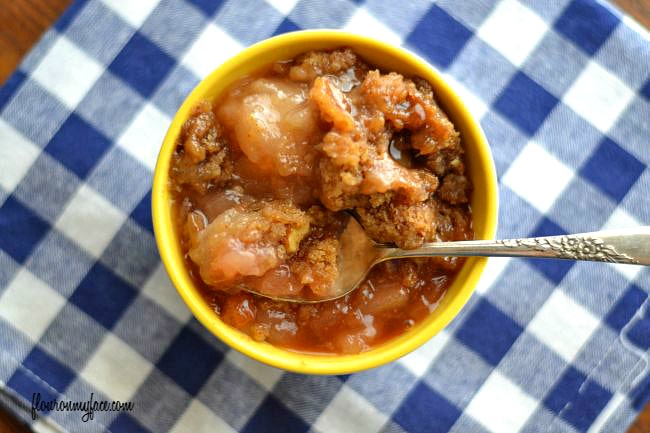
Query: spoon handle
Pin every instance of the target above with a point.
(630, 246)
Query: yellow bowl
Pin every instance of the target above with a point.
(386, 57)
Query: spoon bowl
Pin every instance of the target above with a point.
(359, 253)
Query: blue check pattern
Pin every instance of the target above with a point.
(562, 90)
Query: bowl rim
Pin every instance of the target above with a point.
(301, 362)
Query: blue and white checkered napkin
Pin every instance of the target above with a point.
(562, 89)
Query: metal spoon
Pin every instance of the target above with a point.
(359, 253)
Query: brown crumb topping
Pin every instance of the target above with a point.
(265, 178)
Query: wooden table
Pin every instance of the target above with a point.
(23, 21)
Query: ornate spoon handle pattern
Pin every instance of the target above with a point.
(631, 246)
(573, 248)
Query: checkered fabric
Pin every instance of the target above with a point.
(562, 90)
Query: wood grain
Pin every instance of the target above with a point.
(22, 22)
(642, 423)
(639, 9)
(9, 424)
